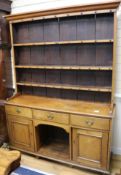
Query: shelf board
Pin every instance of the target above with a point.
(63, 67)
(66, 86)
(63, 42)
(55, 149)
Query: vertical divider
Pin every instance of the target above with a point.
(60, 56)
(44, 57)
(31, 80)
(114, 58)
(95, 16)
(76, 59)
(13, 58)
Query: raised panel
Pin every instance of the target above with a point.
(20, 133)
(90, 148)
(89, 142)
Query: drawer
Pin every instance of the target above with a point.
(18, 111)
(51, 116)
(90, 122)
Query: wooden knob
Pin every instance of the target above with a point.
(89, 122)
(50, 117)
(18, 111)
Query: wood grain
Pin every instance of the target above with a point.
(68, 56)
(64, 67)
(66, 10)
(63, 42)
(51, 116)
(66, 106)
(66, 86)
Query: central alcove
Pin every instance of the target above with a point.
(52, 141)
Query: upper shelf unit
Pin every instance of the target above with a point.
(65, 30)
(65, 57)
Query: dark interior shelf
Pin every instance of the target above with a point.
(99, 54)
(83, 28)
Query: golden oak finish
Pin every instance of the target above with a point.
(51, 116)
(18, 111)
(90, 147)
(64, 60)
(90, 7)
(10, 160)
(84, 131)
(36, 123)
(67, 106)
(90, 122)
(64, 67)
(59, 86)
(114, 56)
(63, 42)
(20, 132)
(13, 56)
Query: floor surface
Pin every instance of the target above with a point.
(59, 169)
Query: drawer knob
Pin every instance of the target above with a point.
(50, 117)
(18, 111)
(89, 123)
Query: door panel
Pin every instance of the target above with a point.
(90, 147)
(91, 153)
(21, 132)
(21, 137)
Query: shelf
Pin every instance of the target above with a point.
(63, 86)
(64, 67)
(63, 42)
(55, 150)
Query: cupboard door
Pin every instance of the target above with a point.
(90, 148)
(21, 133)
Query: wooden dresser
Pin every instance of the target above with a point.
(64, 72)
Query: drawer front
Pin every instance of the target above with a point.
(90, 122)
(18, 111)
(51, 116)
